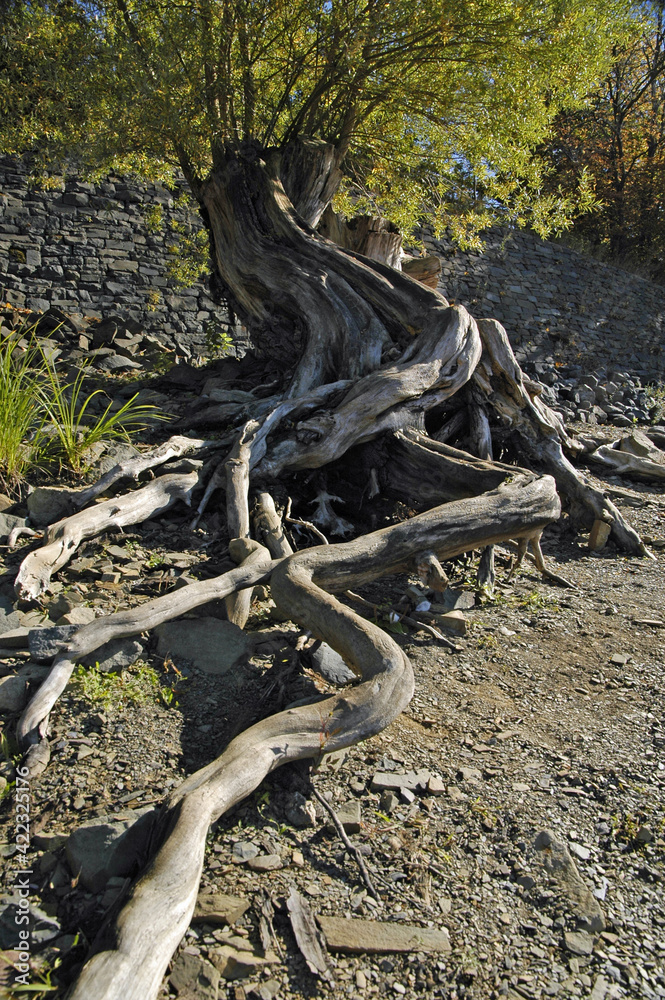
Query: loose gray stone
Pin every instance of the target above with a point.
(13, 693)
(349, 815)
(456, 600)
(331, 665)
(115, 363)
(556, 858)
(7, 524)
(9, 619)
(115, 655)
(243, 850)
(578, 942)
(45, 643)
(80, 615)
(16, 638)
(99, 851)
(194, 976)
(219, 908)
(211, 645)
(300, 812)
(48, 504)
(265, 863)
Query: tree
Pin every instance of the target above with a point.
(271, 109)
(618, 140)
(383, 99)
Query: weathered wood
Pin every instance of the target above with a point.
(269, 527)
(237, 517)
(132, 957)
(424, 472)
(452, 427)
(541, 436)
(64, 537)
(438, 363)
(427, 270)
(303, 297)
(431, 572)
(132, 468)
(34, 721)
(372, 236)
(633, 455)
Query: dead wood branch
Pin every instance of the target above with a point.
(237, 518)
(351, 848)
(64, 537)
(269, 526)
(132, 958)
(132, 468)
(90, 637)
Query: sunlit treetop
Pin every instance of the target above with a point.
(419, 95)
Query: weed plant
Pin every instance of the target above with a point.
(137, 686)
(44, 417)
(66, 404)
(21, 413)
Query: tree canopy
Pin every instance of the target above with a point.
(429, 101)
(618, 139)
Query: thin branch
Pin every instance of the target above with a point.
(351, 848)
(304, 524)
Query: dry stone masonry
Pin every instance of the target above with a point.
(556, 303)
(90, 251)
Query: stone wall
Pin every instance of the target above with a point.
(556, 303)
(89, 250)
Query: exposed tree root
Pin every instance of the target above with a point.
(540, 436)
(132, 468)
(133, 955)
(33, 724)
(389, 391)
(64, 537)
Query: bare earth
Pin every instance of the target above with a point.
(548, 717)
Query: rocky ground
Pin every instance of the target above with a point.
(511, 822)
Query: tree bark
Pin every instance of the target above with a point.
(299, 294)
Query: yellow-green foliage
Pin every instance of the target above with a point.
(435, 102)
(138, 685)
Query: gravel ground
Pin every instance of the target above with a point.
(540, 736)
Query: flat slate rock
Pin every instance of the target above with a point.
(455, 600)
(413, 781)
(13, 693)
(219, 908)
(331, 665)
(212, 645)
(99, 851)
(193, 976)
(115, 654)
(375, 937)
(349, 815)
(9, 619)
(48, 504)
(16, 638)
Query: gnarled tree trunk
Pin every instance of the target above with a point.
(335, 312)
(365, 350)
